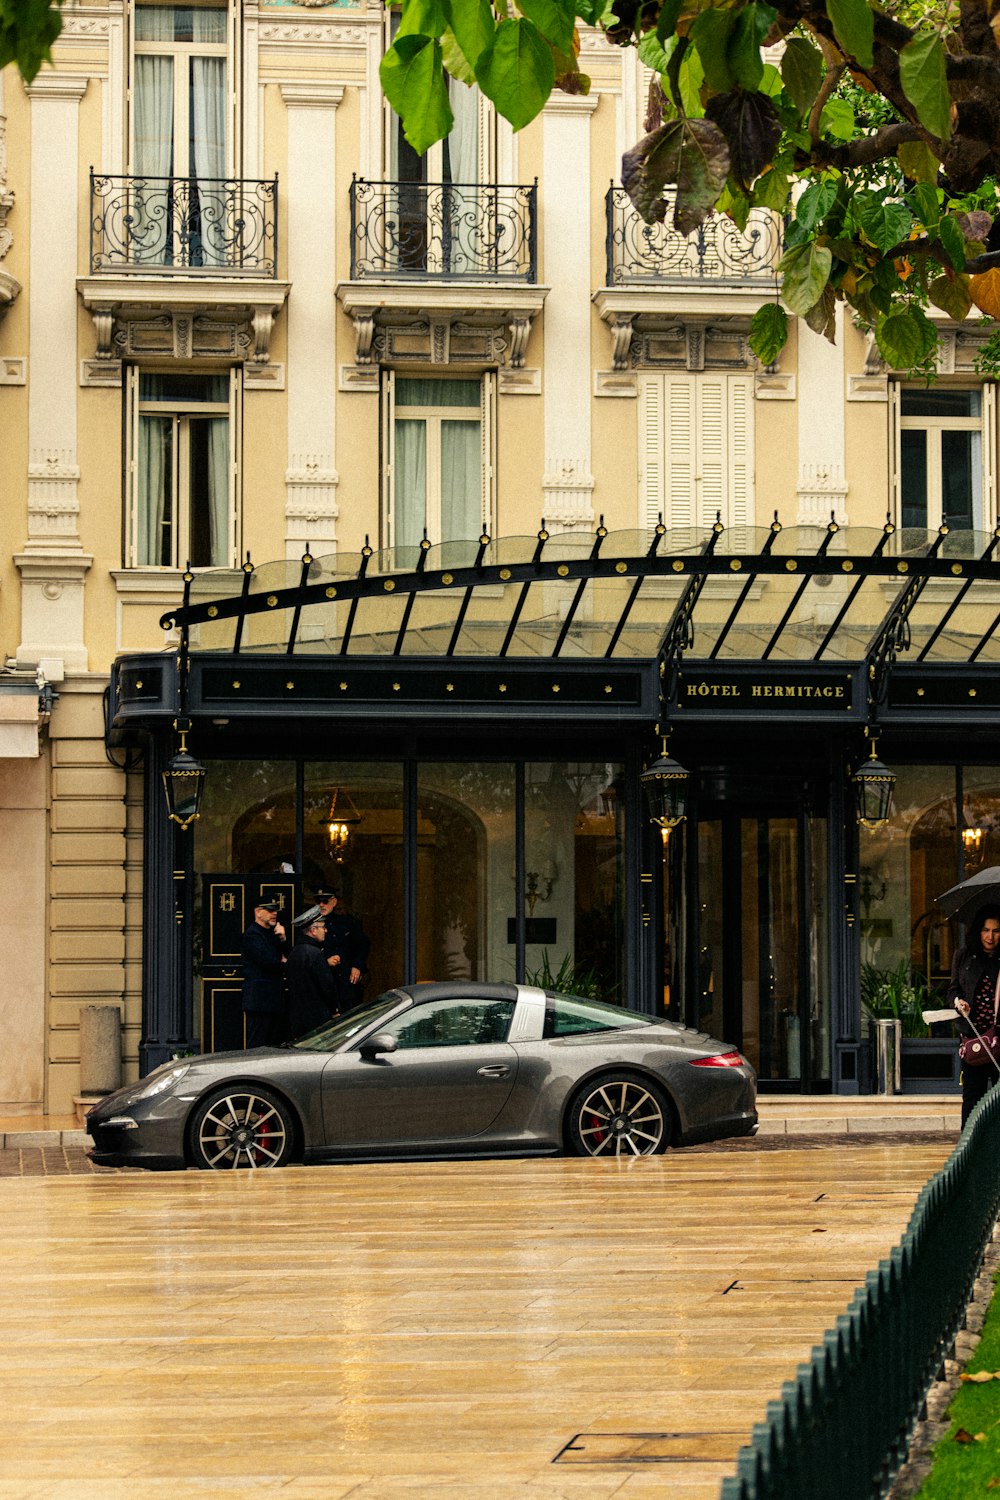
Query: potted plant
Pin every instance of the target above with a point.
(928, 1063)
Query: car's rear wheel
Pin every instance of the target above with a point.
(620, 1114)
(241, 1127)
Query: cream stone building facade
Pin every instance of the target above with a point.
(238, 317)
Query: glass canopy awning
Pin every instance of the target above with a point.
(806, 594)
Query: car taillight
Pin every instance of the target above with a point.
(720, 1060)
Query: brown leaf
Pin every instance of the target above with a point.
(961, 1436)
(985, 291)
(980, 1375)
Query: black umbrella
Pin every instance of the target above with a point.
(965, 899)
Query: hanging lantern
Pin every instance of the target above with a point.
(183, 781)
(665, 783)
(339, 821)
(873, 783)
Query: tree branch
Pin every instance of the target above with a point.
(869, 148)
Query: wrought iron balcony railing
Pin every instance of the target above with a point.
(444, 230)
(718, 251)
(177, 225)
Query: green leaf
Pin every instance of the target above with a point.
(423, 18)
(27, 32)
(802, 72)
(926, 205)
(752, 24)
(710, 36)
(455, 61)
(752, 130)
(837, 119)
(951, 295)
(413, 81)
(516, 71)
(555, 19)
(768, 332)
(884, 224)
(805, 271)
(905, 338)
(473, 24)
(690, 77)
(923, 74)
(918, 161)
(771, 190)
(651, 53)
(815, 203)
(953, 241)
(667, 24)
(770, 82)
(735, 205)
(854, 27)
(690, 154)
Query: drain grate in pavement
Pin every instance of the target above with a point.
(651, 1448)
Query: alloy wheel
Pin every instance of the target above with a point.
(620, 1117)
(242, 1130)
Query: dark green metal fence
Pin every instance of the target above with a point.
(842, 1426)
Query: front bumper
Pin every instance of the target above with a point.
(154, 1138)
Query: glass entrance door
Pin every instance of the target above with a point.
(761, 972)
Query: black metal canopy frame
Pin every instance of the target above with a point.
(802, 595)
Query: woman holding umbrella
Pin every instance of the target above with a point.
(975, 978)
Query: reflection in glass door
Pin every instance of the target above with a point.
(761, 972)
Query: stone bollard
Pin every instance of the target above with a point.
(100, 1054)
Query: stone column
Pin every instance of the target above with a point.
(53, 563)
(822, 487)
(310, 194)
(567, 483)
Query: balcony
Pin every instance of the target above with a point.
(455, 231)
(182, 267)
(441, 272)
(180, 225)
(669, 298)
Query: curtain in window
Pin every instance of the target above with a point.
(218, 492)
(211, 231)
(462, 145)
(153, 543)
(154, 157)
(461, 481)
(410, 491)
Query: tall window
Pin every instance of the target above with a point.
(181, 470)
(696, 449)
(180, 135)
(945, 457)
(439, 472)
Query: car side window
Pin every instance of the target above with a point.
(570, 1015)
(452, 1023)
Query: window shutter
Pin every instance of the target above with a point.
(650, 450)
(486, 432)
(388, 455)
(895, 453)
(130, 478)
(740, 508)
(989, 456)
(711, 432)
(681, 451)
(235, 463)
(234, 74)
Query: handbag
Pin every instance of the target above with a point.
(984, 1047)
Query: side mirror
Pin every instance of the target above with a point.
(377, 1045)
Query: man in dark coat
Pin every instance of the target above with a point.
(263, 953)
(345, 947)
(312, 984)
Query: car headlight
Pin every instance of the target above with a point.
(159, 1083)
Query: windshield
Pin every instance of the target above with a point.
(331, 1036)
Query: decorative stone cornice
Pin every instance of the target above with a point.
(631, 311)
(312, 95)
(161, 316)
(465, 323)
(570, 104)
(55, 85)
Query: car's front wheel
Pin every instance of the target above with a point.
(621, 1114)
(241, 1127)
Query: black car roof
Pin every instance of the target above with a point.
(468, 989)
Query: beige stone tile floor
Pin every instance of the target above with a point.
(403, 1331)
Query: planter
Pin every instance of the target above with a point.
(930, 1065)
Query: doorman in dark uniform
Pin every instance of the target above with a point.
(345, 947)
(313, 988)
(264, 954)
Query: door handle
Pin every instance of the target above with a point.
(493, 1070)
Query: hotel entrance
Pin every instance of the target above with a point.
(762, 965)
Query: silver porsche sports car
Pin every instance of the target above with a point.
(440, 1070)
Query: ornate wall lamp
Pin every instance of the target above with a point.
(183, 781)
(873, 783)
(665, 783)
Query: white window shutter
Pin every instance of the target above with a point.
(486, 434)
(651, 440)
(989, 456)
(895, 453)
(740, 507)
(235, 463)
(388, 455)
(681, 416)
(234, 75)
(130, 486)
(711, 432)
